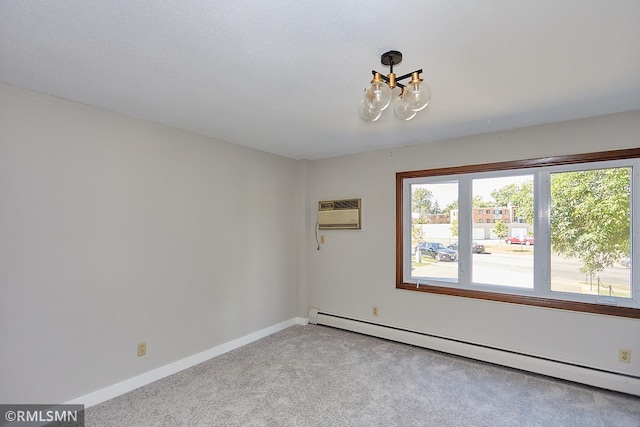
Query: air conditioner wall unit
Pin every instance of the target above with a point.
(339, 214)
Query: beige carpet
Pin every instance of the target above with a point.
(318, 376)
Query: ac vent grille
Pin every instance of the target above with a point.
(339, 204)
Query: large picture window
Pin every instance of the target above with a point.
(553, 232)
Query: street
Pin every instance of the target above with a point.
(516, 270)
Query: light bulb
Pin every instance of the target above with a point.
(402, 110)
(367, 114)
(378, 94)
(416, 94)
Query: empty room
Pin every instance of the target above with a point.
(320, 213)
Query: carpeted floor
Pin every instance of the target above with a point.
(318, 376)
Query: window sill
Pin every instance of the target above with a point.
(584, 307)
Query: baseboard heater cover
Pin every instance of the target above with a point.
(553, 368)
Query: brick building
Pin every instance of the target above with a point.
(493, 215)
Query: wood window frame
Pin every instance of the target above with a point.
(630, 312)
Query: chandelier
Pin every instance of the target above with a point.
(414, 95)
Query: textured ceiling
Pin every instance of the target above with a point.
(287, 76)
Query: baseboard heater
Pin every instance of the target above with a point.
(559, 369)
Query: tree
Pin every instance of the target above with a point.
(523, 201)
(436, 208)
(519, 195)
(454, 228)
(477, 202)
(421, 201)
(416, 232)
(590, 216)
(505, 196)
(501, 230)
(453, 206)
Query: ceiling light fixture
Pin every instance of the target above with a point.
(414, 96)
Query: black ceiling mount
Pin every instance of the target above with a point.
(391, 58)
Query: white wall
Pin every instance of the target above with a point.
(114, 231)
(355, 270)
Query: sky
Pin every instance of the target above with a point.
(446, 193)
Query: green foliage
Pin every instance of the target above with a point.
(435, 208)
(477, 202)
(519, 195)
(450, 207)
(416, 233)
(501, 230)
(454, 228)
(421, 203)
(505, 195)
(590, 216)
(422, 219)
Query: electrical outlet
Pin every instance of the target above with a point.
(375, 310)
(624, 355)
(322, 239)
(142, 348)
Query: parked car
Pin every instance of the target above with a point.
(437, 251)
(477, 247)
(520, 240)
(626, 262)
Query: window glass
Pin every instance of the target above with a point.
(497, 259)
(434, 231)
(591, 232)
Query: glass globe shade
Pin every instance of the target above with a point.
(377, 96)
(402, 111)
(417, 96)
(367, 114)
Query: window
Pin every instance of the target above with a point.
(591, 222)
(432, 256)
(563, 237)
(500, 264)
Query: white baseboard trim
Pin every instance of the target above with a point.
(558, 369)
(130, 384)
